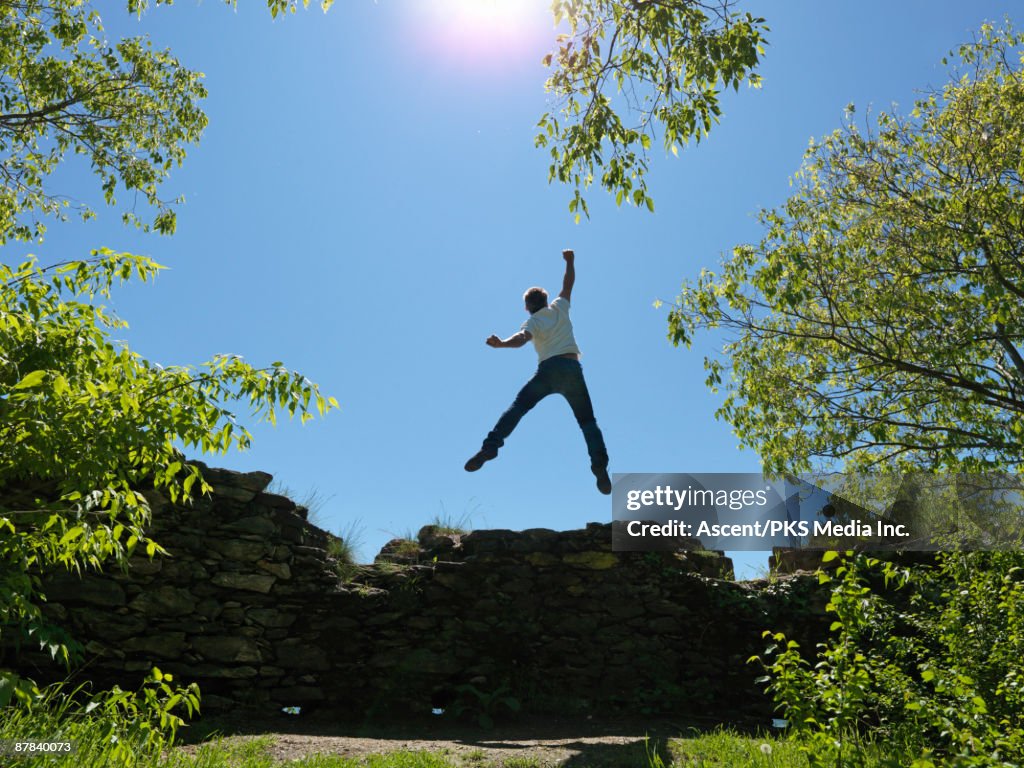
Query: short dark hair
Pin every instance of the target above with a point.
(535, 298)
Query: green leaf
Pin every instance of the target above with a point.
(33, 379)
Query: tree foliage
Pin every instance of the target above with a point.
(129, 110)
(86, 425)
(627, 67)
(929, 671)
(879, 321)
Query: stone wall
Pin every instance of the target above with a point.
(250, 605)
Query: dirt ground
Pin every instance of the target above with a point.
(548, 742)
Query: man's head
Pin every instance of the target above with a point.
(535, 299)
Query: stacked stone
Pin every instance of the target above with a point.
(559, 621)
(240, 567)
(250, 605)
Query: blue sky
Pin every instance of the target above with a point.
(367, 206)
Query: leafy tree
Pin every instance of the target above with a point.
(129, 109)
(86, 425)
(655, 62)
(879, 321)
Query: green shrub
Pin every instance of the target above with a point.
(929, 662)
(110, 728)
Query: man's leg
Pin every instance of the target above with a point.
(535, 390)
(574, 387)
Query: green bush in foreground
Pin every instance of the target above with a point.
(110, 728)
(928, 662)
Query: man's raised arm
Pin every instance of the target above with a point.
(570, 274)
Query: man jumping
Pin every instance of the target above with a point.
(559, 371)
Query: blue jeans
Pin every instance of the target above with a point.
(564, 376)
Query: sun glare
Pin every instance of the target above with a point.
(481, 31)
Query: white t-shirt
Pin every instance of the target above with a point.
(551, 330)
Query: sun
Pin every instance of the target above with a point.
(482, 32)
(483, 15)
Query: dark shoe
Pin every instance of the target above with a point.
(604, 483)
(482, 456)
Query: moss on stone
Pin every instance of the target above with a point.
(596, 561)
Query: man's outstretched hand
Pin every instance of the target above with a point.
(568, 254)
(512, 342)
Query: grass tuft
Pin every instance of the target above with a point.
(345, 547)
(312, 500)
(448, 523)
